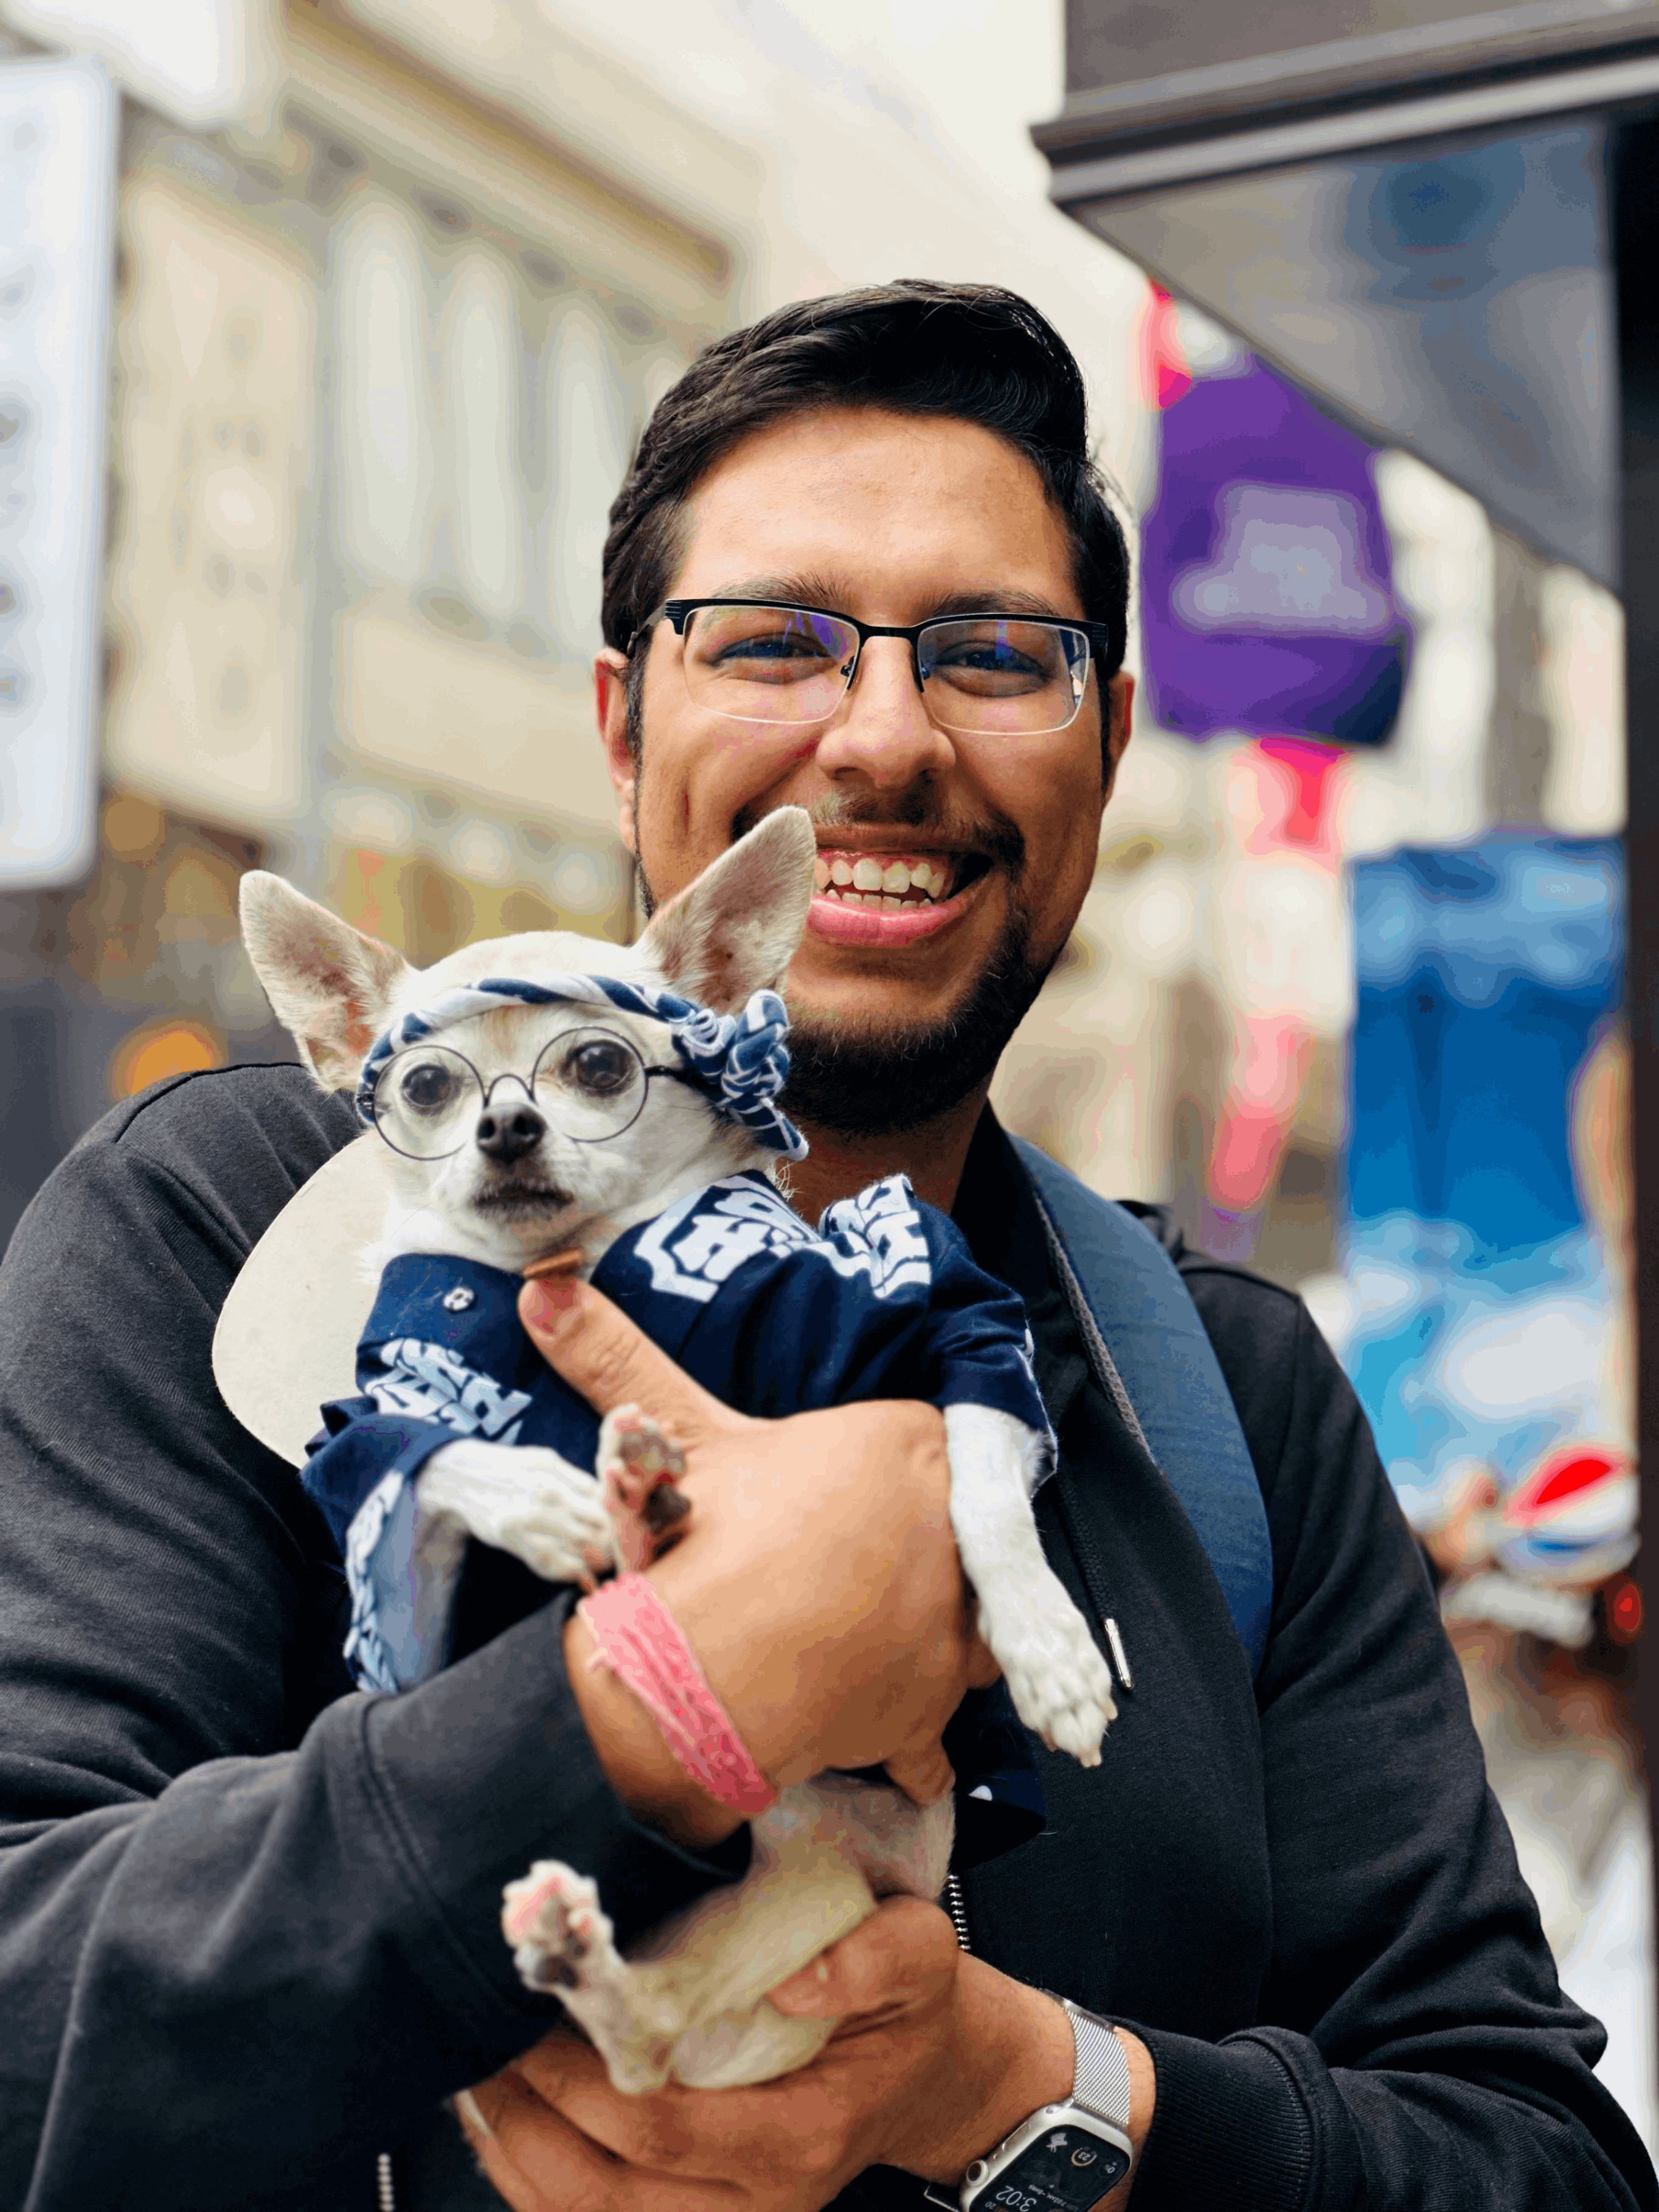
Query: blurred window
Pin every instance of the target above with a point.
(216, 345)
(385, 400)
(589, 458)
(481, 404)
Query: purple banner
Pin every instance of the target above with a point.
(1265, 599)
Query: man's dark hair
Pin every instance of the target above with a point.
(969, 350)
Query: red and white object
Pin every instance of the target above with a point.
(1573, 1520)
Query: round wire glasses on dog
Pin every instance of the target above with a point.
(588, 1083)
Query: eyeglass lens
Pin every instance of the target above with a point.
(791, 664)
(588, 1082)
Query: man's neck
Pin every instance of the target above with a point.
(932, 1154)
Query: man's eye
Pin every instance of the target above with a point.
(800, 650)
(428, 1088)
(988, 660)
(601, 1069)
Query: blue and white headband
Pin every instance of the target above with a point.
(739, 1060)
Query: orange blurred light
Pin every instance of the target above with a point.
(156, 1050)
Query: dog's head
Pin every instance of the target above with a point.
(520, 1129)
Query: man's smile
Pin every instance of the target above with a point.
(873, 896)
(856, 876)
(870, 894)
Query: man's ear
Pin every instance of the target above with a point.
(1120, 716)
(332, 987)
(736, 929)
(610, 712)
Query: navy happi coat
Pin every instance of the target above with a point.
(882, 1300)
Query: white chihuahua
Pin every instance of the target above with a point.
(626, 1121)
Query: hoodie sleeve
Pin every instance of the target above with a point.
(248, 1920)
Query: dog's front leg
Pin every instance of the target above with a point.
(1057, 1679)
(523, 1499)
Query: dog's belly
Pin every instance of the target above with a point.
(690, 2002)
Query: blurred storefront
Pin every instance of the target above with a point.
(396, 289)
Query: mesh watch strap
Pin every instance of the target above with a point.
(1103, 2067)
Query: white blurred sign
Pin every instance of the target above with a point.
(58, 129)
(198, 61)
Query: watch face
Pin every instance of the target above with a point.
(1066, 2170)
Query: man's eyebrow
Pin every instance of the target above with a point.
(831, 595)
(807, 591)
(1002, 601)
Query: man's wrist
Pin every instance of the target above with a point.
(1013, 2052)
(636, 1761)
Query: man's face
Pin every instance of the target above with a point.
(891, 518)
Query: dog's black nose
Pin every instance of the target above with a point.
(508, 1132)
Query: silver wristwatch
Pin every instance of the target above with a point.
(1066, 2157)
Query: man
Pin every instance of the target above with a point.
(248, 1924)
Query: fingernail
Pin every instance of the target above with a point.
(467, 2105)
(546, 1305)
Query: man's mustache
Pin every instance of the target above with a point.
(916, 809)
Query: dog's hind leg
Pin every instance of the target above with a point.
(563, 1940)
(1057, 1679)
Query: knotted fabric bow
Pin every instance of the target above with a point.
(739, 1062)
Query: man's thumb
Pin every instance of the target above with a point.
(611, 1361)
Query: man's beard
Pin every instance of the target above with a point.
(876, 1080)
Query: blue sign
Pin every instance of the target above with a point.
(1474, 1250)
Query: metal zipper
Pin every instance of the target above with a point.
(386, 2197)
(956, 1904)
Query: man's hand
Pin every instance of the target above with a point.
(817, 1581)
(937, 2056)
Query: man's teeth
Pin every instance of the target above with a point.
(882, 882)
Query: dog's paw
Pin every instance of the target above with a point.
(1059, 1682)
(552, 1919)
(563, 1943)
(637, 1464)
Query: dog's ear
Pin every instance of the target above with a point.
(735, 930)
(332, 987)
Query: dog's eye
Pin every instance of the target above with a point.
(601, 1069)
(428, 1088)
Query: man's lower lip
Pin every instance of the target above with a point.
(843, 924)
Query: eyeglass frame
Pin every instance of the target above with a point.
(1097, 635)
(486, 1090)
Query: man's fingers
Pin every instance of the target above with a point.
(983, 1665)
(924, 1776)
(540, 2162)
(905, 1950)
(602, 1354)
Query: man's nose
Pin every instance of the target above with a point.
(508, 1132)
(882, 732)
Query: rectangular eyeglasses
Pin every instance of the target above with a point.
(759, 661)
